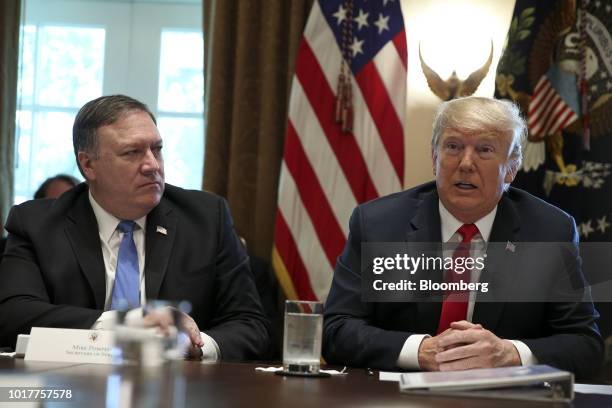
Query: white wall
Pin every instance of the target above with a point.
(454, 34)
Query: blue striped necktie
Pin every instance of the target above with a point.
(126, 292)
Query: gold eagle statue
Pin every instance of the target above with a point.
(453, 87)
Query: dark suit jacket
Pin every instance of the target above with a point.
(2, 245)
(561, 334)
(53, 271)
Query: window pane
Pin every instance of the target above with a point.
(70, 66)
(183, 150)
(22, 159)
(52, 153)
(181, 73)
(26, 67)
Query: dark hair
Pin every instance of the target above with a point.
(102, 111)
(42, 190)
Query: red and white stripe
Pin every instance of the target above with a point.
(325, 173)
(548, 112)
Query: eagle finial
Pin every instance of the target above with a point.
(454, 87)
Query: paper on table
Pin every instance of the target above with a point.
(389, 376)
(268, 369)
(275, 369)
(70, 345)
(593, 389)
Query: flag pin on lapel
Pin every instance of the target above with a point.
(510, 247)
(161, 230)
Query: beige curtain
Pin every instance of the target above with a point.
(10, 11)
(250, 50)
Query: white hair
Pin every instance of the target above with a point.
(476, 113)
(480, 114)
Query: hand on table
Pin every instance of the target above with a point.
(163, 319)
(464, 346)
(194, 351)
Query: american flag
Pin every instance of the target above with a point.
(327, 171)
(554, 103)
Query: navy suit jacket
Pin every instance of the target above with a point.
(372, 334)
(53, 271)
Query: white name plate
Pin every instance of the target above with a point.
(70, 345)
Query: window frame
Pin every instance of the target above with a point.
(130, 26)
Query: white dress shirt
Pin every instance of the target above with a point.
(409, 355)
(110, 240)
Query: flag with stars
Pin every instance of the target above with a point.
(345, 139)
(558, 66)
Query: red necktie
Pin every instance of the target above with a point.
(455, 305)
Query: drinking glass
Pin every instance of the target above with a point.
(302, 337)
(153, 337)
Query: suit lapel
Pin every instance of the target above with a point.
(425, 227)
(505, 228)
(81, 229)
(160, 234)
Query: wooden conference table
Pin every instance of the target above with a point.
(190, 384)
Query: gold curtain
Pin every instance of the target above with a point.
(250, 50)
(10, 12)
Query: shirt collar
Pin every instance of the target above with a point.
(107, 223)
(450, 224)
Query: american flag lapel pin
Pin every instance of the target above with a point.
(510, 247)
(161, 230)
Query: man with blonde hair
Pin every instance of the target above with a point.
(476, 153)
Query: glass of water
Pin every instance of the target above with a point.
(302, 337)
(135, 344)
(166, 316)
(150, 336)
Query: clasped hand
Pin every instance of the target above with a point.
(464, 346)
